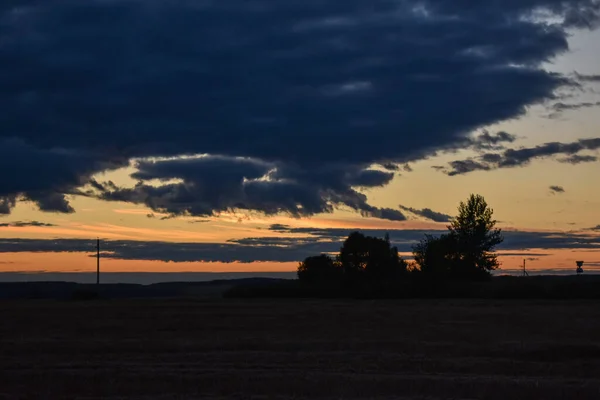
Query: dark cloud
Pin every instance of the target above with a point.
(280, 228)
(6, 203)
(514, 239)
(559, 108)
(249, 251)
(588, 78)
(21, 224)
(51, 202)
(487, 141)
(386, 213)
(407, 168)
(209, 185)
(596, 228)
(491, 157)
(521, 157)
(45, 175)
(428, 213)
(556, 189)
(578, 159)
(517, 157)
(88, 87)
(281, 248)
(390, 166)
(549, 240)
(460, 167)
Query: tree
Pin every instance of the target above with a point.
(467, 250)
(366, 257)
(319, 269)
(436, 256)
(475, 237)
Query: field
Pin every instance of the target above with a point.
(300, 349)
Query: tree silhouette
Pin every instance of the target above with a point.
(366, 257)
(467, 250)
(476, 236)
(320, 268)
(436, 256)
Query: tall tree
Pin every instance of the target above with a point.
(475, 236)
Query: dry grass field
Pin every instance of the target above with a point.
(176, 349)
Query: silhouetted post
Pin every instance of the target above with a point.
(579, 267)
(98, 262)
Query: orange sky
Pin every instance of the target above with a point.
(519, 196)
(114, 221)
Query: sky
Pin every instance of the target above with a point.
(244, 136)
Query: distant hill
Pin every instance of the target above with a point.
(143, 278)
(77, 291)
(535, 287)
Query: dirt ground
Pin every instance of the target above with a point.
(175, 349)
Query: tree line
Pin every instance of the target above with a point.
(465, 252)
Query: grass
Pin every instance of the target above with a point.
(300, 349)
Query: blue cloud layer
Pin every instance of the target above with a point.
(304, 85)
(284, 248)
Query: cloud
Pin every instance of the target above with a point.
(44, 176)
(21, 224)
(6, 203)
(404, 238)
(588, 78)
(390, 166)
(210, 185)
(172, 252)
(595, 228)
(487, 141)
(556, 189)
(520, 157)
(559, 108)
(578, 159)
(460, 167)
(281, 248)
(51, 202)
(428, 213)
(90, 88)
(407, 168)
(282, 228)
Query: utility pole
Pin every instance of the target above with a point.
(524, 270)
(98, 262)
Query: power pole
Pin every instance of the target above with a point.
(524, 270)
(98, 262)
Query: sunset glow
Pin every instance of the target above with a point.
(248, 152)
